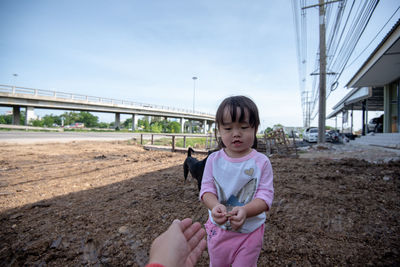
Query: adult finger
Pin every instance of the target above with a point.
(191, 230)
(196, 253)
(185, 223)
(197, 245)
(196, 238)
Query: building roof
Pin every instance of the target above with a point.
(353, 100)
(383, 65)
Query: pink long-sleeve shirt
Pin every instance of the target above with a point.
(237, 181)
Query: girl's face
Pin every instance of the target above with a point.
(238, 137)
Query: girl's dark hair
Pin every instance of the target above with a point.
(232, 104)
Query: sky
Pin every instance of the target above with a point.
(148, 52)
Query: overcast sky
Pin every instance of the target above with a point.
(148, 51)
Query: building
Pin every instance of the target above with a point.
(376, 86)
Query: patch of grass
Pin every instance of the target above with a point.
(196, 142)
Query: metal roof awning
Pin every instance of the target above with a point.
(381, 68)
(383, 65)
(354, 100)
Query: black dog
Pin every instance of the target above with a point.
(195, 166)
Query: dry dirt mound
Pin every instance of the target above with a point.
(102, 203)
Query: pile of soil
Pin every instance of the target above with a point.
(102, 203)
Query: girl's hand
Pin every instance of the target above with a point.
(218, 213)
(238, 217)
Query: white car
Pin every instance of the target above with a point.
(310, 135)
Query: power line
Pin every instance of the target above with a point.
(345, 24)
(373, 39)
(354, 34)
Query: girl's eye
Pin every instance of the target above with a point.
(245, 127)
(227, 128)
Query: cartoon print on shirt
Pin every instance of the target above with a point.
(244, 196)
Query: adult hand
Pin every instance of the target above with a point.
(181, 245)
(219, 214)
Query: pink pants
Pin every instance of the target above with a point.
(227, 248)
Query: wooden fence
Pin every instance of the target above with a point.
(210, 141)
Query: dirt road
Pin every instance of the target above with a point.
(102, 203)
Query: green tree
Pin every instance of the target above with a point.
(70, 117)
(85, 117)
(156, 119)
(269, 129)
(88, 119)
(48, 121)
(127, 123)
(174, 127)
(144, 123)
(276, 126)
(5, 119)
(156, 127)
(37, 123)
(103, 125)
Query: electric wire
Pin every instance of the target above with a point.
(373, 39)
(347, 50)
(345, 23)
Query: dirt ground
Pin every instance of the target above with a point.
(102, 204)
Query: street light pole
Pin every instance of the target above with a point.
(15, 75)
(194, 90)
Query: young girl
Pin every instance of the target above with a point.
(237, 187)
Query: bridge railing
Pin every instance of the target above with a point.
(92, 99)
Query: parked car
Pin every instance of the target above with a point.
(310, 135)
(376, 125)
(293, 134)
(76, 125)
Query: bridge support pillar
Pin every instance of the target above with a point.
(134, 122)
(204, 126)
(191, 130)
(29, 115)
(117, 121)
(182, 121)
(16, 115)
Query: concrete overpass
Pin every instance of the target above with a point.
(30, 98)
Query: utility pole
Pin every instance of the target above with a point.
(322, 69)
(322, 74)
(309, 112)
(307, 102)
